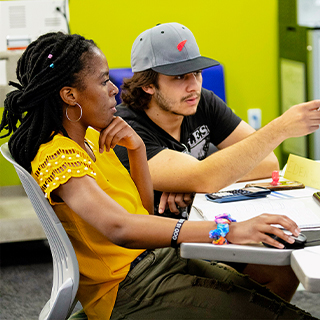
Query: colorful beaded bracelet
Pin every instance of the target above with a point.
(219, 234)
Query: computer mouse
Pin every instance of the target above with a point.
(299, 242)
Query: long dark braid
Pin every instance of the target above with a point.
(48, 64)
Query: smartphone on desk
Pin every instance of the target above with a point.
(282, 185)
(246, 193)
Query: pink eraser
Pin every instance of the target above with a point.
(275, 178)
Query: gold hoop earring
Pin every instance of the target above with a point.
(79, 116)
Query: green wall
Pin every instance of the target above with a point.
(242, 35)
(8, 176)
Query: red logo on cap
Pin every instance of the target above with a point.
(181, 45)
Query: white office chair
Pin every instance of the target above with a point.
(65, 263)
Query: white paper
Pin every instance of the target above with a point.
(303, 211)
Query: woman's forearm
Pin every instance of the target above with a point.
(140, 174)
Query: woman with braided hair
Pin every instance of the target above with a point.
(38, 94)
(64, 93)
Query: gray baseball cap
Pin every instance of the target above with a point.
(170, 49)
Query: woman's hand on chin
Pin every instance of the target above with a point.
(119, 132)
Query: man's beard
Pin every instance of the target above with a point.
(168, 104)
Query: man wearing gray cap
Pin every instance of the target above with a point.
(165, 103)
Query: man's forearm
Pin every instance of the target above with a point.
(244, 160)
(245, 155)
(263, 170)
(173, 171)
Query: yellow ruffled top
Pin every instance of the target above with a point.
(102, 264)
(62, 164)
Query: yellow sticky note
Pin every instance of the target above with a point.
(303, 170)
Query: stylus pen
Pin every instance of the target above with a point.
(200, 213)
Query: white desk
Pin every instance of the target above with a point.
(305, 264)
(257, 253)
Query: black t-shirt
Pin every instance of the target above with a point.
(213, 122)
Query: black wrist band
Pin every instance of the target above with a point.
(176, 232)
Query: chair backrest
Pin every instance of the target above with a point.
(65, 263)
(117, 76)
(213, 79)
